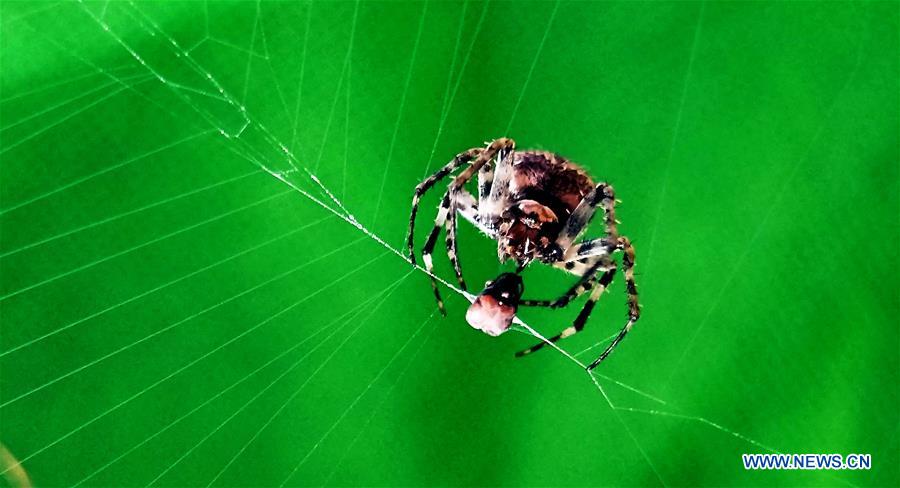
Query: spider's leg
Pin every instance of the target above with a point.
(490, 180)
(634, 309)
(580, 287)
(600, 247)
(428, 248)
(485, 180)
(462, 204)
(481, 157)
(502, 147)
(597, 287)
(459, 160)
(458, 195)
(493, 185)
(467, 207)
(450, 205)
(601, 196)
(452, 243)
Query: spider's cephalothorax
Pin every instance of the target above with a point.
(535, 204)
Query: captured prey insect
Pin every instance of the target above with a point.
(536, 205)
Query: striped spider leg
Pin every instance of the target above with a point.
(457, 200)
(586, 259)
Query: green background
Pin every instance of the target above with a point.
(172, 313)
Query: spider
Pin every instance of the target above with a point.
(536, 205)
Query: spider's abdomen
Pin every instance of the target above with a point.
(543, 191)
(549, 179)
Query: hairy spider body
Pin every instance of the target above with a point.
(544, 190)
(535, 204)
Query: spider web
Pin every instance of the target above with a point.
(304, 168)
